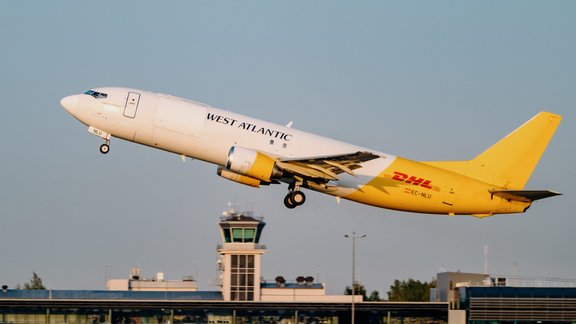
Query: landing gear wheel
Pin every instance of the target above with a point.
(294, 199)
(298, 198)
(104, 148)
(288, 202)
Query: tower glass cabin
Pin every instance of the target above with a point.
(240, 254)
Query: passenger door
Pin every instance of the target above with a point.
(131, 104)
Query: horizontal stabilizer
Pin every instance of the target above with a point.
(524, 195)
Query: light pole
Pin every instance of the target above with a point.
(354, 236)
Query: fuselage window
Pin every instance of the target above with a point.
(97, 95)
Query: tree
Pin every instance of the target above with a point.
(374, 296)
(410, 290)
(359, 290)
(34, 284)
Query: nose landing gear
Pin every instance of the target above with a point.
(105, 148)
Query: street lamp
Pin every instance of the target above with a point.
(354, 236)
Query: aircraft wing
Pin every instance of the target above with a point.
(326, 167)
(524, 195)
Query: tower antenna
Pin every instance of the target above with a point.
(485, 258)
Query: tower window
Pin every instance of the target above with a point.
(242, 235)
(242, 281)
(227, 236)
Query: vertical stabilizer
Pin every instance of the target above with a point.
(510, 162)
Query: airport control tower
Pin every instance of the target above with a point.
(240, 255)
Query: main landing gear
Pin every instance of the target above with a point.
(294, 199)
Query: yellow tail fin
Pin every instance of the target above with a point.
(510, 162)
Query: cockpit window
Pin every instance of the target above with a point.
(97, 95)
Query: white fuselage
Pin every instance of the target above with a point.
(202, 132)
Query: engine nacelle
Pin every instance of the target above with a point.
(238, 178)
(251, 163)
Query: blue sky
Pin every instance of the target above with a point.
(426, 80)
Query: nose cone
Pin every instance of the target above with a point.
(70, 103)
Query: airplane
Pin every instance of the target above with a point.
(254, 152)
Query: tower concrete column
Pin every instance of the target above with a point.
(240, 256)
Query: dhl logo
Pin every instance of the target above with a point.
(416, 181)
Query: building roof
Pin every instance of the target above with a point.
(240, 218)
(111, 294)
(520, 292)
(293, 285)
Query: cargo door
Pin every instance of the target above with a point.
(131, 104)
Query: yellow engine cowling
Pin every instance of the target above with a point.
(252, 164)
(238, 178)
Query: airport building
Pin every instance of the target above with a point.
(244, 298)
(482, 298)
(137, 283)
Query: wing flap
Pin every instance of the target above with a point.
(303, 170)
(326, 167)
(341, 167)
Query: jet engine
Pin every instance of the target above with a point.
(251, 163)
(238, 178)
